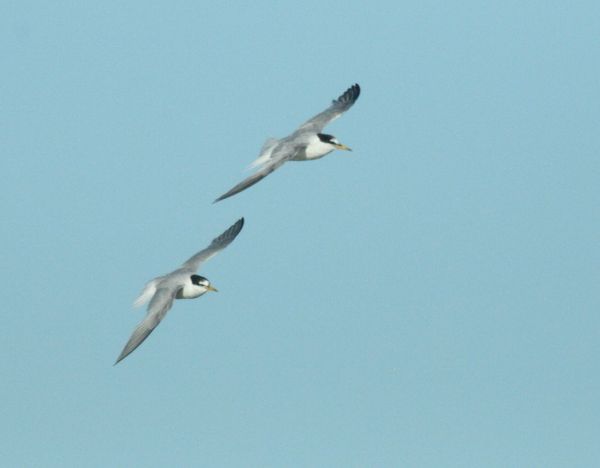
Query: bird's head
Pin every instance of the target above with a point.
(333, 141)
(203, 283)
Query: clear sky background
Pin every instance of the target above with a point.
(430, 299)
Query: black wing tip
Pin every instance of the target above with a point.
(238, 225)
(350, 95)
(229, 234)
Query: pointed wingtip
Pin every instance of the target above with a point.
(237, 226)
(222, 197)
(122, 356)
(231, 193)
(350, 95)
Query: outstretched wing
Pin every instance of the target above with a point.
(157, 309)
(253, 179)
(337, 108)
(218, 244)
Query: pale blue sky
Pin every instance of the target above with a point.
(430, 299)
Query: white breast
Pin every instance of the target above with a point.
(317, 149)
(190, 291)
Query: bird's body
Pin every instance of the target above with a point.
(182, 283)
(190, 290)
(306, 143)
(315, 149)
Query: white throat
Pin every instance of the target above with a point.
(191, 291)
(317, 149)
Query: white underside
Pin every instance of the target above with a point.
(317, 149)
(191, 291)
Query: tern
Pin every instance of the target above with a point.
(306, 143)
(182, 283)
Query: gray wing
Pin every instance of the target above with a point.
(218, 244)
(253, 179)
(157, 309)
(337, 108)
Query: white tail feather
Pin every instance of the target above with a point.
(147, 293)
(265, 153)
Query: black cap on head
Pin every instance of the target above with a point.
(197, 280)
(325, 138)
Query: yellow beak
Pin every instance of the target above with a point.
(343, 147)
(210, 287)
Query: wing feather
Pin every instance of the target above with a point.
(157, 309)
(218, 244)
(147, 292)
(265, 153)
(337, 108)
(251, 180)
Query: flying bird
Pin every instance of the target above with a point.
(306, 143)
(182, 283)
